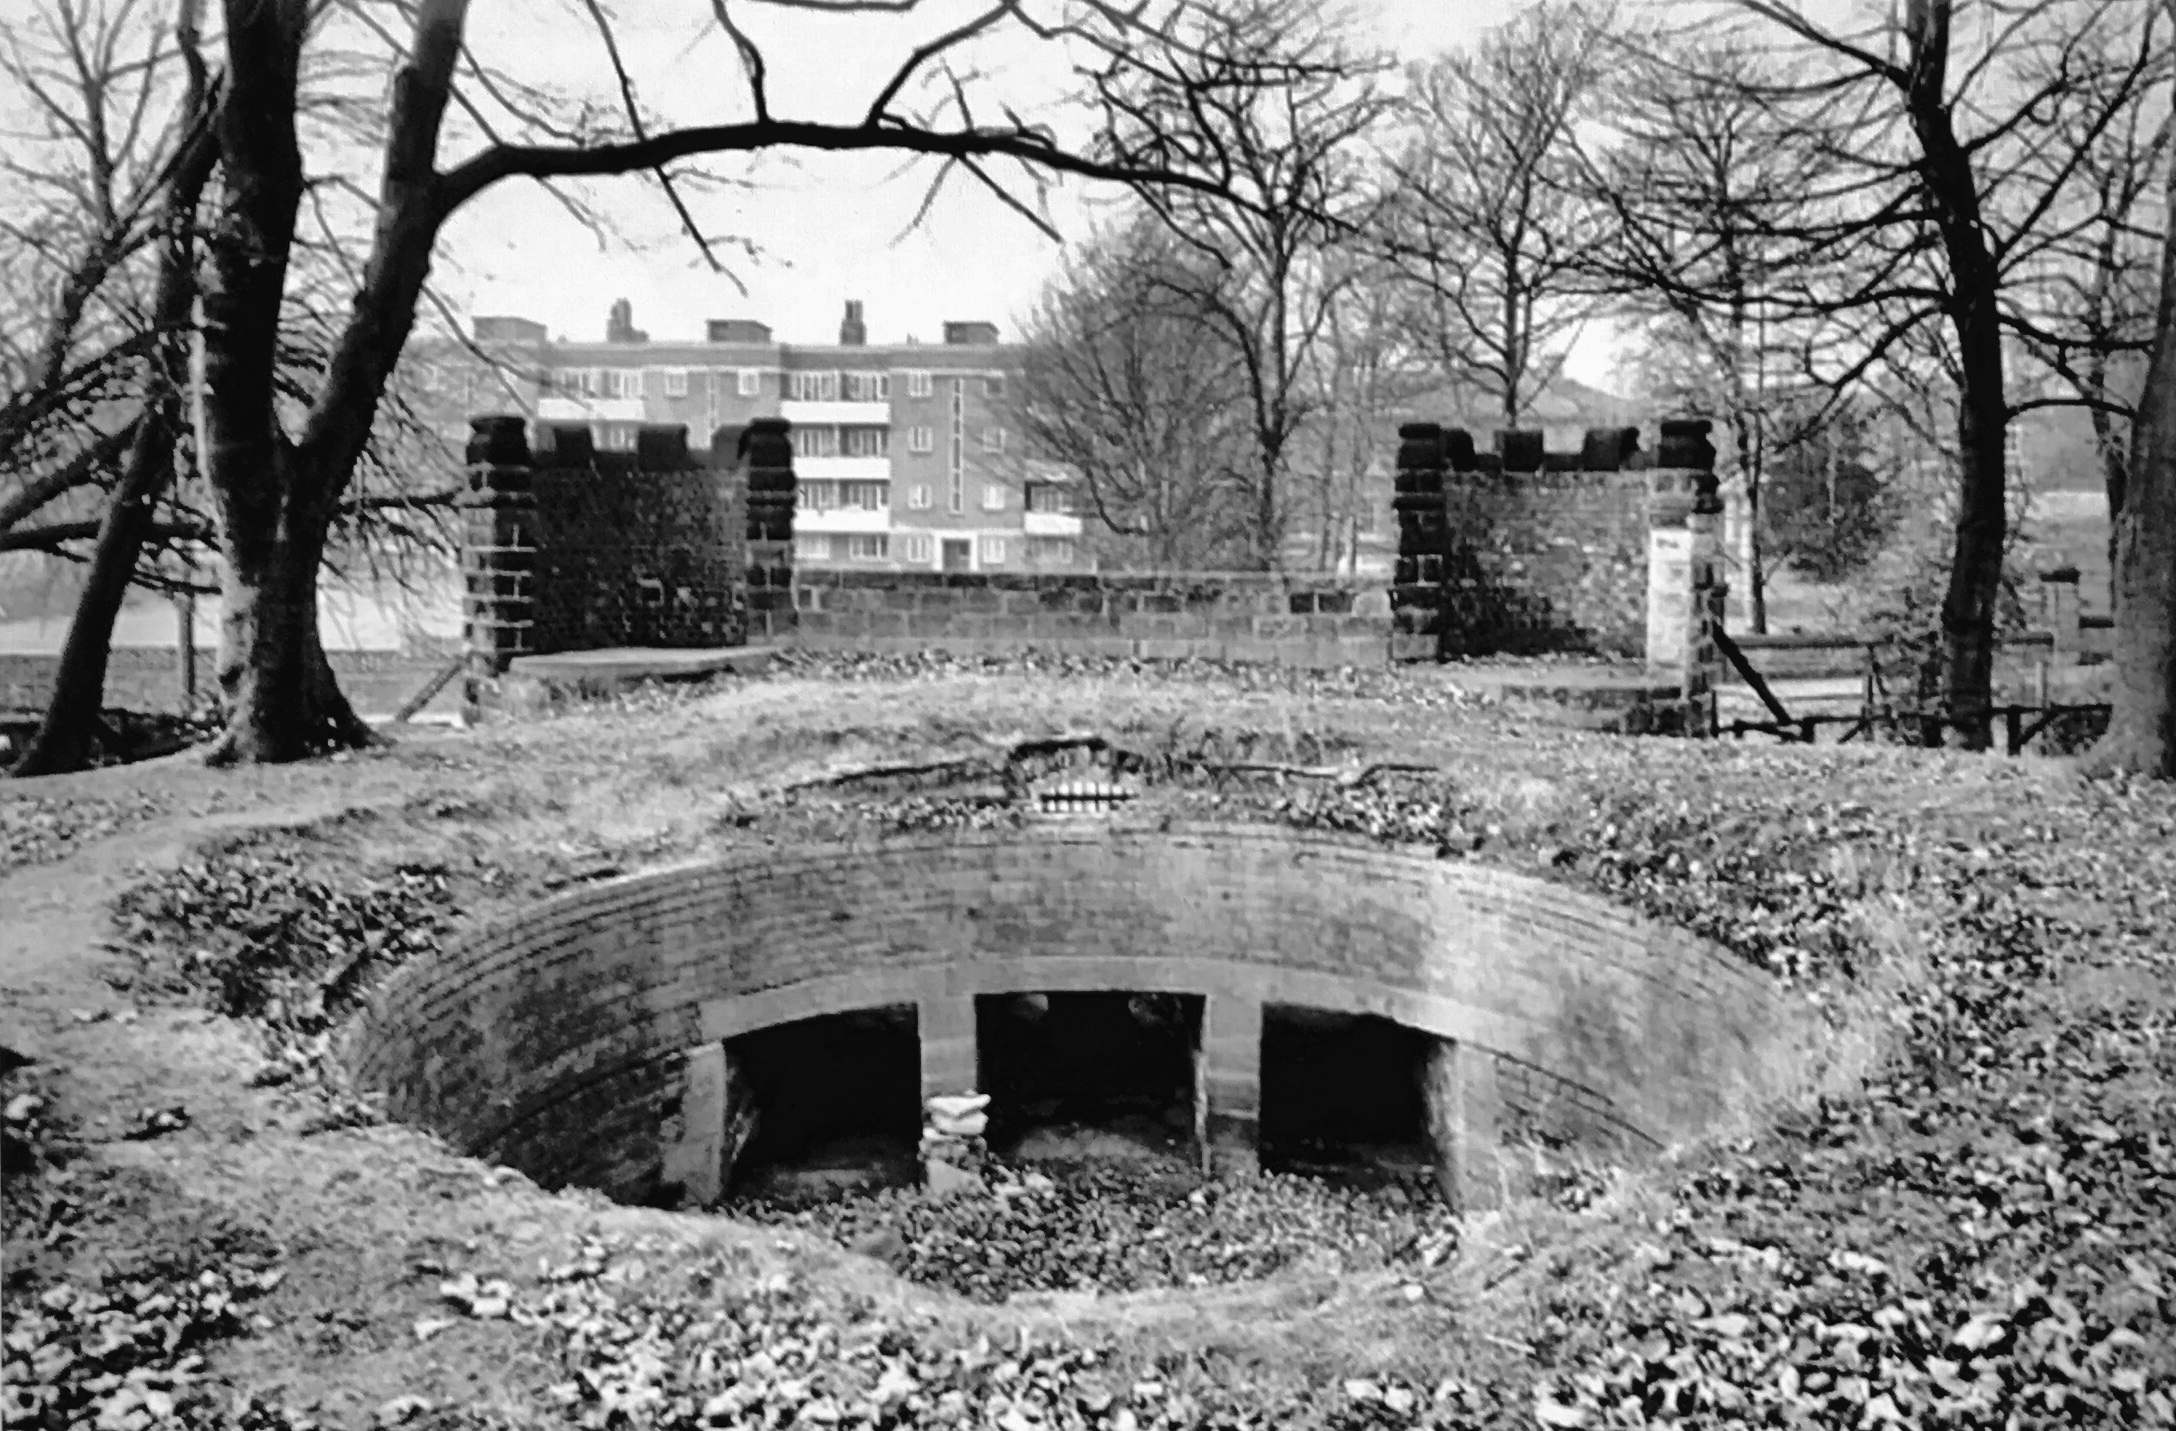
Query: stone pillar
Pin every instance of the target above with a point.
(705, 1138)
(1465, 1125)
(764, 452)
(1416, 591)
(2059, 607)
(1230, 1068)
(946, 1026)
(1685, 586)
(498, 555)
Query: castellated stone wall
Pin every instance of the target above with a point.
(1521, 551)
(557, 1042)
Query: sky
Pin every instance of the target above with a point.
(826, 228)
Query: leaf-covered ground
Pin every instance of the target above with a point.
(1979, 1233)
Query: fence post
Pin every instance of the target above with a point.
(1685, 586)
(185, 646)
(2059, 605)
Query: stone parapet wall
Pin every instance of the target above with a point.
(555, 1042)
(1297, 620)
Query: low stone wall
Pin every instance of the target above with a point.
(1293, 620)
(558, 1042)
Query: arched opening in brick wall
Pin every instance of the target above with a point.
(836, 1101)
(620, 1036)
(1089, 1073)
(1344, 1096)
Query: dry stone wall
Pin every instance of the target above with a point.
(557, 1042)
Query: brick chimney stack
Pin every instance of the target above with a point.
(852, 332)
(620, 326)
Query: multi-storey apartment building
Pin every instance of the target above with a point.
(906, 453)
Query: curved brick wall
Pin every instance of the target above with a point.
(554, 1042)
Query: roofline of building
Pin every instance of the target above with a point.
(700, 347)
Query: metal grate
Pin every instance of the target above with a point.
(1082, 797)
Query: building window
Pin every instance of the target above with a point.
(811, 547)
(815, 442)
(866, 441)
(916, 548)
(994, 385)
(868, 387)
(993, 497)
(868, 496)
(1050, 551)
(814, 387)
(676, 382)
(623, 382)
(616, 437)
(568, 381)
(816, 496)
(993, 439)
(919, 385)
(918, 494)
(921, 439)
(993, 551)
(751, 382)
(955, 487)
(875, 548)
(1042, 497)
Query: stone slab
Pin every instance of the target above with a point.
(630, 665)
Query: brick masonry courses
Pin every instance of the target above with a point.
(560, 1041)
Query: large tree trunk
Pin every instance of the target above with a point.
(2142, 726)
(284, 700)
(64, 738)
(1975, 569)
(1983, 411)
(277, 496)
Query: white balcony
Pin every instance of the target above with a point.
(843, 469)
(589, 409)
(854, 521)
(836, 414)
(1050, 524)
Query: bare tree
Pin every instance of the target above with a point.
(1945, 151)
(279, 483)
(2142, 726)
(97, 452)
(1482, 224)
(1298, 181)
(1363, 373)
(1142, 396)
(1704, 177)
(2085, 309)
(99, 409)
